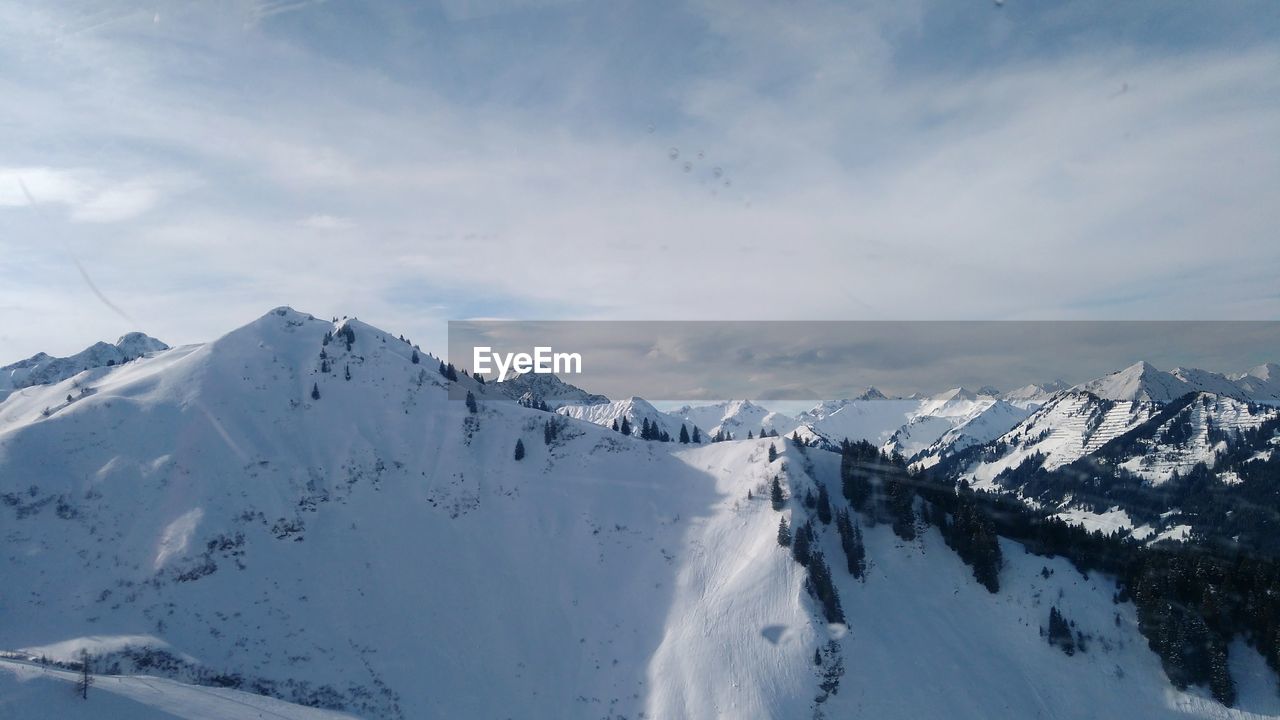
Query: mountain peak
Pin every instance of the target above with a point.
(531, 389)
(1266, 371)
(1139, 382)
(44, 369)
(136, 344)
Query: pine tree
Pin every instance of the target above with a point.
(1060, 632)
(615, 425)
(646, 432)
(684, 434)
(315, 391)
(749, 435)
(801, 543)
(86, 677)
(625, 427)
(519, 449)
(822, 587)
(773, 452)
(901, 506)
(471, 403)
(851, 541)
(817, 657)
(824, 505)
(697, 435)
(1220, 682)
(784, 533)
(414, 358)
(775, 494)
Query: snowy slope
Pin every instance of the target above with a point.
(922, 641)
(31, 692)
(737, 417)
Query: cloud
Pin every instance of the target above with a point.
(917, 160)
(89, 195)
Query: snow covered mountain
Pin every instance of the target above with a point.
(636, 410)
(871, 420)
(1262, 383)
(951, 421)
(32, 691)
(298, 509)
(1117, 452)
(1142, 382)
(43, 369)
(531, 389)
(1030, 397)
(1081, 421)
(738, 417)
(980, 426)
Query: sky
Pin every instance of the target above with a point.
(180, 168)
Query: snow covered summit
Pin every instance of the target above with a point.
(43, 369)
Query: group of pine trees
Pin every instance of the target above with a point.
(550, 431)
(851, 542)
(802, 540)
(651, 431)
(654, 431)
(449, 372)
(1060, 632)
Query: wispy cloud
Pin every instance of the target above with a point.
(915, 160)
